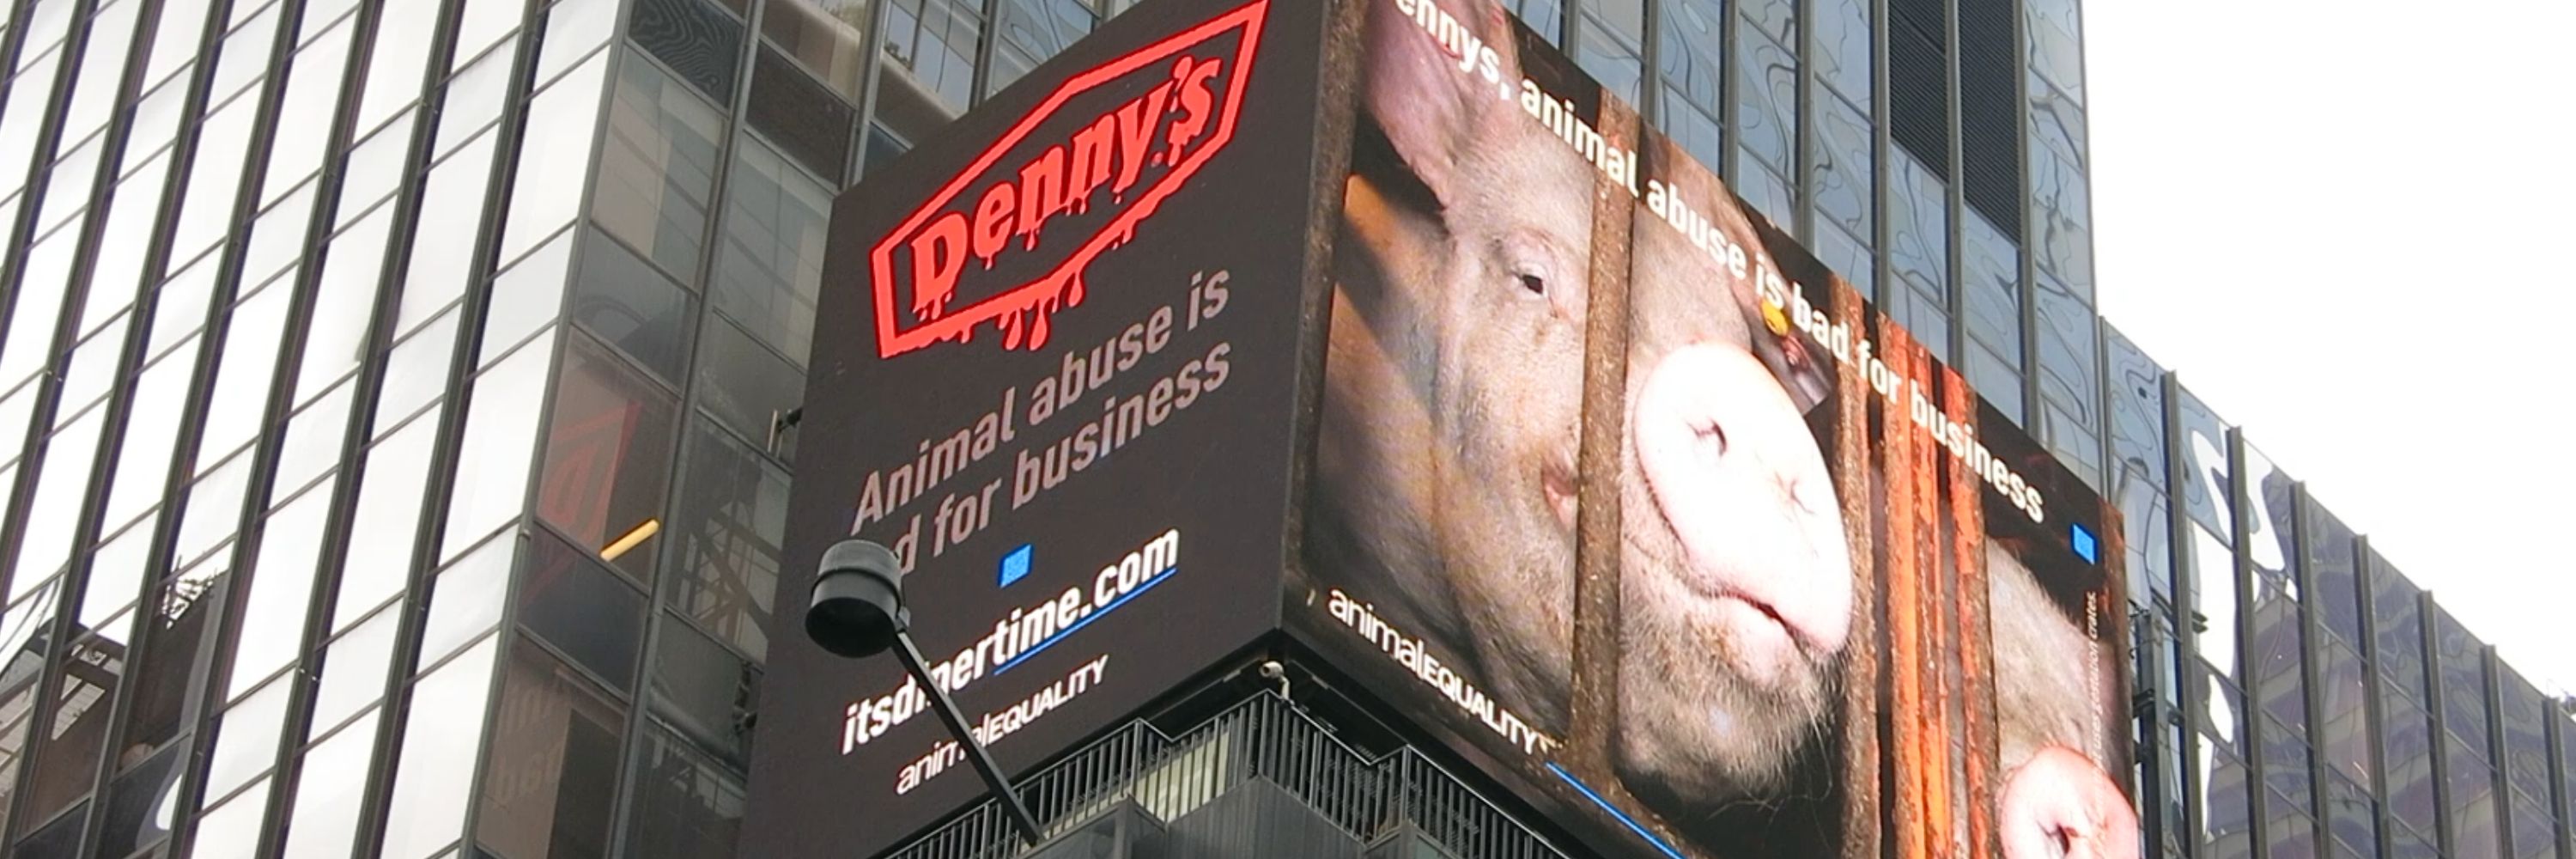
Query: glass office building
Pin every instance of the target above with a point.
(399, 400)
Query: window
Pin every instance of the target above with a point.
(770, 266)
(608, 457)
(657, 167)
(553, 769)
(577, 605)
(633, 307)
(725, 552)
(685, 806)
(701, 43)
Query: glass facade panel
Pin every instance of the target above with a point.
(633, 307)
(769, 265)
(685, 806)
(608, 457)
(827, 38)
(697, 39)
(2203, 459)
(725, 553)
(2406, 744)
(586, 612)
(554, 765)
(1033, 30)
(2222, 786)
(657, 168)
(2396, 609)
(1606, 44)
(2464, 683)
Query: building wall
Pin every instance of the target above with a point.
(397, 407)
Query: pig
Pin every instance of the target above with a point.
(1736, 580)
(2059, 800)
(1453, 391)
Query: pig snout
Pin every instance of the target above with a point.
(1735, 474)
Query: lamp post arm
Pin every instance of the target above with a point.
(975, 753)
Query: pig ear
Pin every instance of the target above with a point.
(1430, 96)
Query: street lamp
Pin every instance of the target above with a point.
(858, 612)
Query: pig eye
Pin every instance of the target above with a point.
(1535, 284)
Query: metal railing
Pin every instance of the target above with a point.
(1263, 737)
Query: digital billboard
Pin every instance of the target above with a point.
(1051, 352)
(1657, 520)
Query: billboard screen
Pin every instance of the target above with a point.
(1657, 520)
(1048, 373)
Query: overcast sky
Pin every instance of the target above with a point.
(2347, 224)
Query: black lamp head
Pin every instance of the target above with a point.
(858, 600)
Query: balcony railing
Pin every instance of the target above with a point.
(1264, 737)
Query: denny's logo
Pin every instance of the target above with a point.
(1007, 241)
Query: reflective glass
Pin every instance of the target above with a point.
(1991, 269)
(770, 265)
(2352, 815)
(2473, 806)
(473, 98)
(1547, 17)
(608, 457)
(328, 797)
(1847, 256)
(2334, 571)
(2535, 834)
(246, 738)
(155, 123)
(725, 556)
(632, 306)
(484, 22)
(527, 296)
(40, 301)
(2397, 610)
(344, 304)
(573, 28)
(176, 37)
(2343, 725)
(2055, 38)
(685, 806)
(2226, 814)
(151, 438)
(22, 662)
(1767, 193)
(500, 436)
(1766, 119)
(1032, 31)
(2068, 371)
(551, 780)
(304, 116)
(354, 668)
(416, 372)
(246, 51)
(232, 831)
(589, 614)
(2406, 745)
(116, 274)
(825, 37)
(704, 691)
(451, 215)
(700, 43)
(2278, 637)
(376, 167)
(386, 526)
(1843, 39)
(1842, 167)
(2526, 739)
(554, 157)
(69, 182)
(933, 43)
(111, 35)
(2214, 585)
(748, 388)
(1606, 44)
(803, 118)
(2061, 206)
(1918, 244)
(2204, 463)
(657, 167)
(69, 458)
(245, 371)
(140, 803)
(433, 775)
(2464, 682)
(468, 597)
(281, 591)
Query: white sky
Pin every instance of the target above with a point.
(2347, 224)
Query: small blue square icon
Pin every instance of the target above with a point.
(2085, 546)
(1015, 566)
